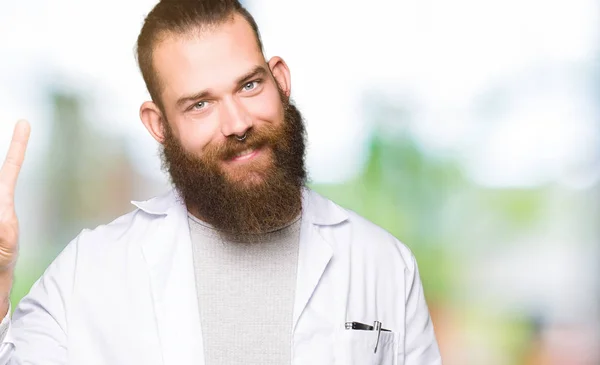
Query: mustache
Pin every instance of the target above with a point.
(231, 147)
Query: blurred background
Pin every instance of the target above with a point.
(469, 129)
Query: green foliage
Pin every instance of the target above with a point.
(428, 204)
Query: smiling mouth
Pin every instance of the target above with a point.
(246, 154)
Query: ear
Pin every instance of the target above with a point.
(152, 118)
(281, 73)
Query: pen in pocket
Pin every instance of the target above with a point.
(366, 327)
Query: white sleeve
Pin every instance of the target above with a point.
(5, 324)
(37, 332)
(420, 346)
(6, 349)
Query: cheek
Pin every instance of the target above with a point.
(195, 135)
(266, 107)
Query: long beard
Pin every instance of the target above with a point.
(233, 204)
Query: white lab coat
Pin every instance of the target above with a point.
(125, 293)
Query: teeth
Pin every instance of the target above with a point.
(245, 152)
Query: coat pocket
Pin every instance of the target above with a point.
(357, 347)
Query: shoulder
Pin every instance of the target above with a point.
(111, 242)
(112, 231)
(92, 245)
(130, 225)
(373, 238)
(363, 235)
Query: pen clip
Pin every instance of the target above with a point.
(377, 327)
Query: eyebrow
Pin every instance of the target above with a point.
(256, 71)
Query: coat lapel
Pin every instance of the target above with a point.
(315, 252)
(167, 251)
(313, 257)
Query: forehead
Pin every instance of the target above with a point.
(206, 58)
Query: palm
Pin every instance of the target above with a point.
(9, 226)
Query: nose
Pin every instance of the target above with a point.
(236, 120)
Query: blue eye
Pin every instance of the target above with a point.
(250, 86)
(199, 105)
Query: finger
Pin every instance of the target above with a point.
(15, 156)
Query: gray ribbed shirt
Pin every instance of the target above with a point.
(246, 294)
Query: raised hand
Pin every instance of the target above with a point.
(9, 225)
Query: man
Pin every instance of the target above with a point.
(241, 263)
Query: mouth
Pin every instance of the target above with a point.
(245, 155)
